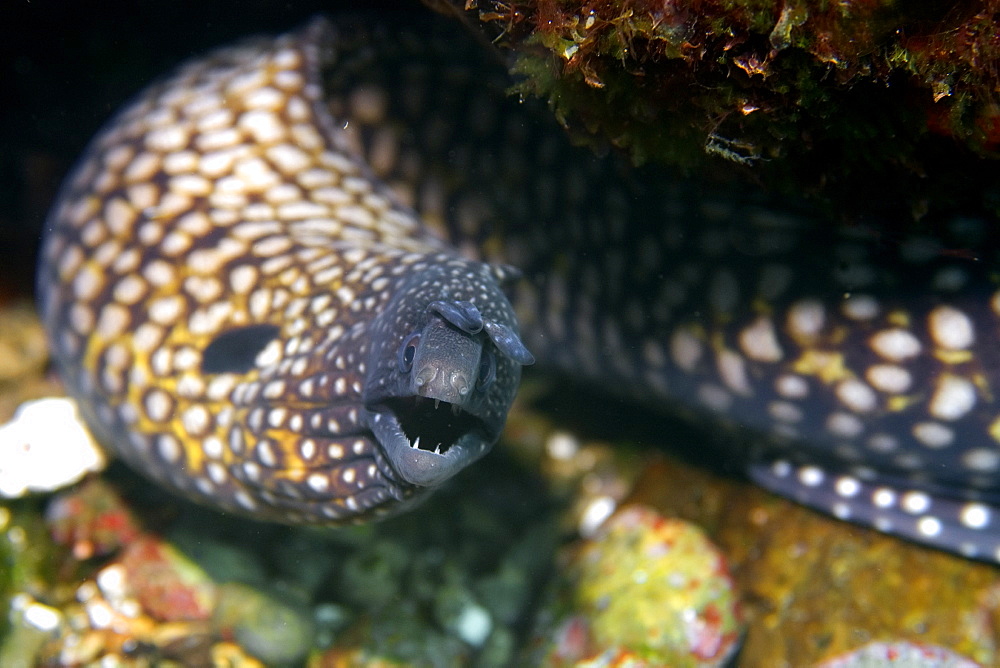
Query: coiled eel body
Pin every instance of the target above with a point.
(251, 317)
(245, 315)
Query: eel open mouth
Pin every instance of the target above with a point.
(428, 440)
(431, 424)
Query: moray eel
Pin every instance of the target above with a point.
(245, 315)
(276, 284)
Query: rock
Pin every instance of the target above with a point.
(901, 653)
(274, 631)
(647, 587)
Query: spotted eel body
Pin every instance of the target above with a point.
(249, 315)
(246, 316)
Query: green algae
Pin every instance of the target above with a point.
(656, 588)
(27, 559)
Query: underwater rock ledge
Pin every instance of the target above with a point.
(879, 98)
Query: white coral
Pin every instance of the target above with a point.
(45, 447)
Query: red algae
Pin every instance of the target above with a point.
(167, 584)
(92, 520)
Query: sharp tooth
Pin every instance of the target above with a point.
(454, 409)
(437, 402)
(416, 444)
(437, 449)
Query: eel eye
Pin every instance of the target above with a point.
(407, 351)
(487, 369)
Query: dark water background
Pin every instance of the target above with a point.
(65, 67)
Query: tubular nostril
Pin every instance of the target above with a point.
(460, 384)
(424, 378)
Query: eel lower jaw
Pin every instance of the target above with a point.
(427, 441)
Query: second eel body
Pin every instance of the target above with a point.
(275, 283)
